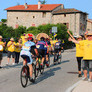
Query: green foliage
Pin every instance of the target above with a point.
(3, 20)
(19, 31)
(45, 28)
(43, 2)
(31, 28)
(8, 32)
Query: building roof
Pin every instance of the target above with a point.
(89, 20)
(62, 11)
(44, 7)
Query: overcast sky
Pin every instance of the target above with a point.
(83, 5)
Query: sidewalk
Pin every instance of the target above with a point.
(4, 60)
(83, 86)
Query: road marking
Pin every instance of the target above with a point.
(70, 89)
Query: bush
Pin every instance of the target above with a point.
(8, 32)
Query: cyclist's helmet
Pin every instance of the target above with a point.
(47, 39)
(42, 39)
(30, 38)
(59, 40)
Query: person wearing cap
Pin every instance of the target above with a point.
(25, 38)
(87, 57)
(11, 49)
(79, 51)
(2, 45)
(57, 49)
(18, 47)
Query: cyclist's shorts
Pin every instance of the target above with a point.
(29, 59)
(41, 52)
(57, 50)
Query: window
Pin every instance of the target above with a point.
(44, 24)
(33, 25)
(67, 25)
(82, 27)
(64, 15)
(16, 17)
(16, 25)
(44, 14)
(33, 17)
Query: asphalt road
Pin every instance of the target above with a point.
(56, 78)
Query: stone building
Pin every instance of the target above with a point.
(41, 14)
(89, 25)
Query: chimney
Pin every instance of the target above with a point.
(25, 5)
(39, 4)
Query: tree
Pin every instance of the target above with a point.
(3, 20)
(33, 30)
(19, 31)
(43, 2)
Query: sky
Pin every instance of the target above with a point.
(83, 5)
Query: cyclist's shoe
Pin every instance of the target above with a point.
(31, 80)
(58, 62)
(54, 63)
(47, 65)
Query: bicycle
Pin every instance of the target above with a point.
(57, 57)
(25, 74)
(47, 62)
(40, 68)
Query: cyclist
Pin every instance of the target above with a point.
(58, 47)
(25, 53)
(47, 47)
(41, 50)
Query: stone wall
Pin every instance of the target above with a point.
(27, 18)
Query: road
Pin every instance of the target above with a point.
(56, 78)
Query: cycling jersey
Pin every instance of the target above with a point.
(41, 45)
(58, 45)
(26, 51)
(46, 46)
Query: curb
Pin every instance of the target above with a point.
(70, 89)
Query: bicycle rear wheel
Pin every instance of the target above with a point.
(34, 71)
(49, 60)
(24, 76)
(55, 58)
(42, 69)
(60, 58)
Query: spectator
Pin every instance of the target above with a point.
(11, 48)
(18, 47)
(79, 51)
(2, 44)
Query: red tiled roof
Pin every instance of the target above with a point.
(66, 11)
(45, 7)
(89, 20)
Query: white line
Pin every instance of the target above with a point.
(72, 87)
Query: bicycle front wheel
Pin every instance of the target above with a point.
(24, 76)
